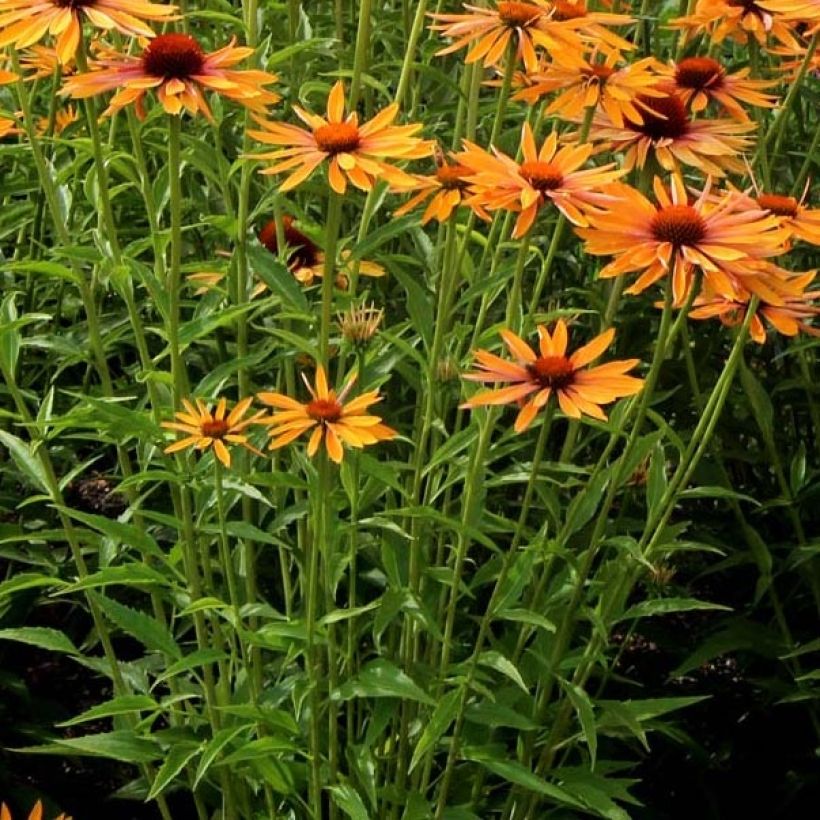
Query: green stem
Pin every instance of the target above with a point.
(174, 285)
(334, 217)
(362, 52)
(504, 93)
(410, 51)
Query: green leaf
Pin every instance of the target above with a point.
(527, 616)
(443, 715)
(586, 717)
(201, 657)
(118, 531)
(28, 580)
(760, 402)
(124, 746)
(514, 772)
(495, 714)
(147, 630)
(506, 667)
(419, 304)
(40, 636)
(25, 460)
(278, 278)
(656, 482)
(348, 800)
(375, 239)
(213, 748)
(663, 606)
(134, 575)
(381, 679)
(175, 761)
(124, 705)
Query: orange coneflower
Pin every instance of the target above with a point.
(9, 128)
(798, 11)
(447, 186)
(62, 119)
(697, 80)
(579, 391)
(40, 62)
(36, 812)
(306, 260)
(25, 22)
(793, 215)
(213, 429)
(788, 317)
(593, 24)
(329, 418)
(543, 176)
(355, 152)
(791, 62)
(618, 90)
(735, 19)
(180, 71)
(494, 29)
(719, 235)
(672, 136)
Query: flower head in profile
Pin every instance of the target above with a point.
(788, 316)
(306, 260)
(580, 390)
(36, 812)
(546, 175)
(360, 323)
(699, 80)
(352, 152)
(446, 189)
(177, 68)
(218, 428)
(669, 133)
(728, 241)
(594, 26)
(489, 32)
(25, 22)
(39, 62)
(737, 20)
(328, 416)
(613, 85)
(804, 12)
(793, 215)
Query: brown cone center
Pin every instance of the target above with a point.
(324, 410)
(681, 225)
(337, 137)
(552, 371)
(173, 56)
(543, 176)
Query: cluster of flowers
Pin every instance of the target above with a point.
(645, 110)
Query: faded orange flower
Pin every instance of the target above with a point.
(668, 132)
(306, 260)
(213, 429)
(491, 30)
(177, 68)
(792, 214)
(36, 812)
(720, 235)
(546, 175)
(697, 80)
(447, 187)
(550, 370)
(619, 91)
(25, 22)
(738, 20)
(353, 152)
(789, 316)
(327, 416)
